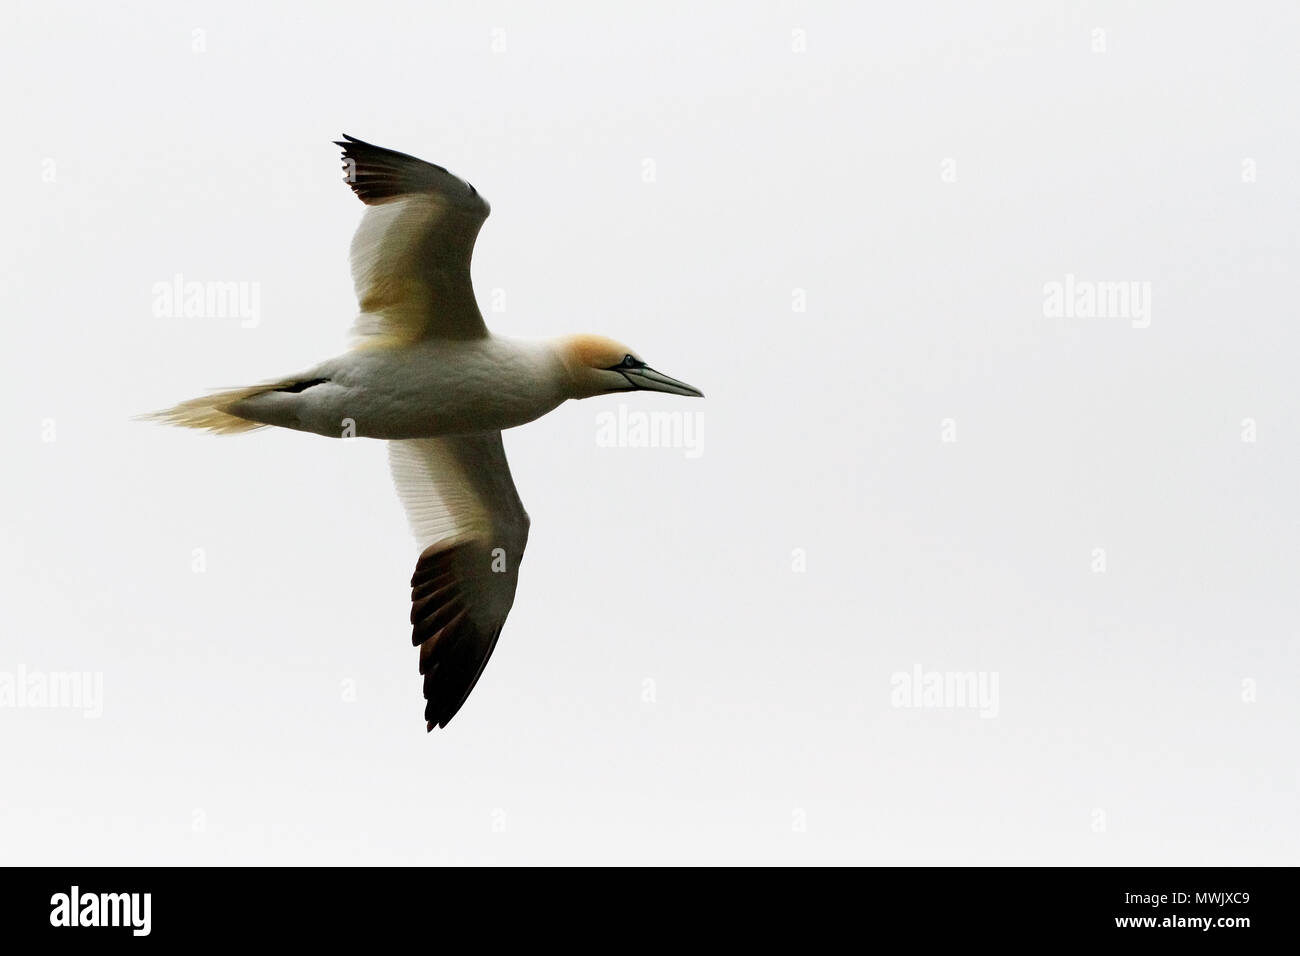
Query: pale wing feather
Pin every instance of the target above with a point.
(439, 497)
(411, 254)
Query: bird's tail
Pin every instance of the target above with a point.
(211, 411)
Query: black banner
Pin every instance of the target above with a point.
(1150, 906)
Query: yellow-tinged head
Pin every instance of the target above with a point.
(599, 365)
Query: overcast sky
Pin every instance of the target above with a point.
(925, 464)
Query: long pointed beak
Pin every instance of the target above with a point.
(648, 380)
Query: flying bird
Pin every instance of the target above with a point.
(426, 375)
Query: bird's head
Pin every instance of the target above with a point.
(599, 365)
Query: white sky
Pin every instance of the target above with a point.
(920, 172)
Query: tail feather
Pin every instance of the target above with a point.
(210, 411)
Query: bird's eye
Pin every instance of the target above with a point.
(630, 362)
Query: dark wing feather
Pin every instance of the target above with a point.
(377, 174)
(464, 508)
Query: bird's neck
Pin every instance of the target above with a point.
(577, 379)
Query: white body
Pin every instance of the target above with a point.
(424, 390)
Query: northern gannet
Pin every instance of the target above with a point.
(426, 375)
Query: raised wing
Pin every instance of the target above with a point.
(472, 528)
(411, 253)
